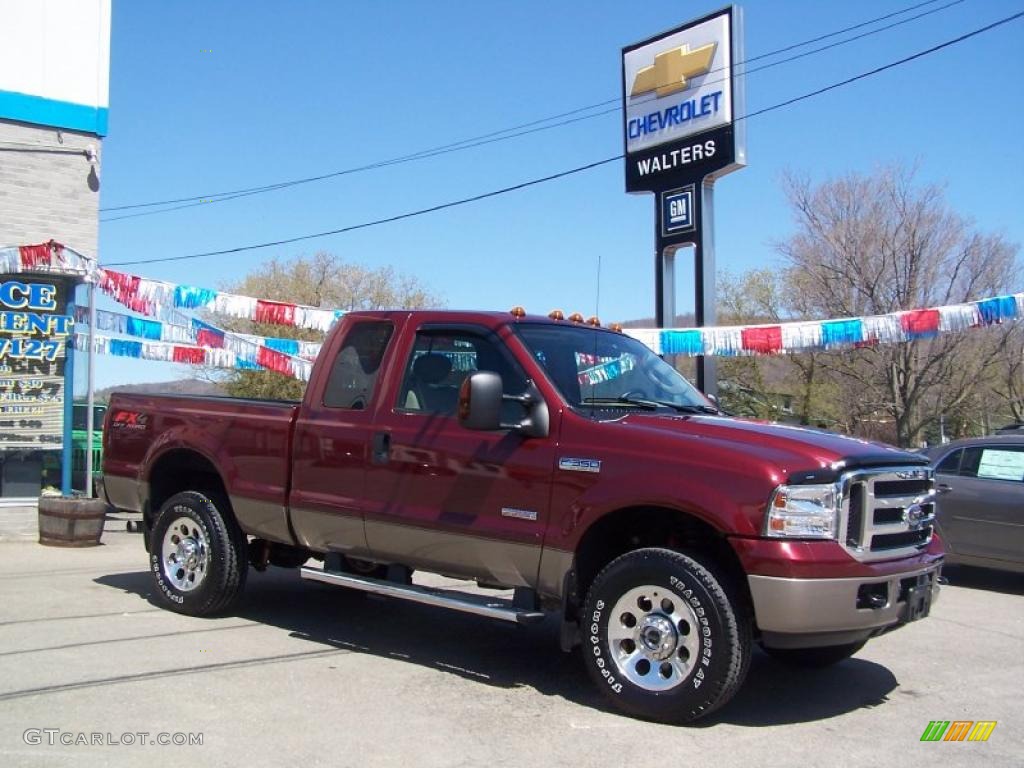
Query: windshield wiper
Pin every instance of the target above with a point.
(710, 409)
(649, 405)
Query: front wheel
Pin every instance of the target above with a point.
(662, 638)
(815, 658)
(197, 555)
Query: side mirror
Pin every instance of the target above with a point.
(480, 400)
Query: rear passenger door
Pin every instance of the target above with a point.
(448, 499)
(332, 444)
(983, 508)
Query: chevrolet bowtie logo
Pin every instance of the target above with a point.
(672, 69)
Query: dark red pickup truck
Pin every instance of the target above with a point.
(564, 461)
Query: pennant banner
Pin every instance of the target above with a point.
(155, 298)
(805, 336)
(169, 302)
(264, 358)
(193, 331)
(45, 257)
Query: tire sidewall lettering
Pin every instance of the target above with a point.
(196, 514)
(694, 594)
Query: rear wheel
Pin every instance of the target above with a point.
(815, 658)
(197, 555)
(662, 638)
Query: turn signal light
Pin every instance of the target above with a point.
(556, 314)
(518, 313)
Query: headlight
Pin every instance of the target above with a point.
(803, 512)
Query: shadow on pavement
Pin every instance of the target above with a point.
(972, 577)
(508, 656)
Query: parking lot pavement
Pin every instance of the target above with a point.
(315, 675)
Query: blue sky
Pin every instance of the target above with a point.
(214, 96)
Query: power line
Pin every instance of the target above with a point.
(572, 171)
(387, 220)
(514, 131)
(421, 156)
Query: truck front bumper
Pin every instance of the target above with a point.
(800, 613)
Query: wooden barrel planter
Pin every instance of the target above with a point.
(71, 522)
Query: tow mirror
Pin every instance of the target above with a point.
(480, 400)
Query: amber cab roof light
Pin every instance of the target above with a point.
(556, 314)
(576, 317)
(518, 313)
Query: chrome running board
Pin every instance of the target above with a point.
(479, 605)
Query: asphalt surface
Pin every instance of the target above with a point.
(307, 674)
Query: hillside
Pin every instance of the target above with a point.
(176, 387)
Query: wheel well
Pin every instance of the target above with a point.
(182, 470)
(639, 527)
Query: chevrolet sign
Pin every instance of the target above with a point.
(678, 85)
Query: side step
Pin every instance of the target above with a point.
(480, 605)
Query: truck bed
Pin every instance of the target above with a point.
(248, 441)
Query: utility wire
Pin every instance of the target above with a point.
(516, 130)
(579, 169)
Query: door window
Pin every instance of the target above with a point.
(353, 378)
(986, 463)
(441, 360)
(951, 464)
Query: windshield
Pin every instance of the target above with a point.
(593, 367)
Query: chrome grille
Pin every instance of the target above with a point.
(887, 512)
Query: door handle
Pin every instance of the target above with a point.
(943, 488)
(381, 448)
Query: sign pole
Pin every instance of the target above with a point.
(705, 298)
(89, 417)
(69, 395)
(682, 102)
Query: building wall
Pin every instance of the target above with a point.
(54, 63)
(48, 187)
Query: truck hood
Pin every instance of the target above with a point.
(799, 454)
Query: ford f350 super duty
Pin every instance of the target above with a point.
(559, 459)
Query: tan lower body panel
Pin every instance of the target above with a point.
(125, 493)
(329, 531)
(554, 564)
(262, 518)
(455, 554)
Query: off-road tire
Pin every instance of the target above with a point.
(226, 557)
(815, 658)
(721, 658)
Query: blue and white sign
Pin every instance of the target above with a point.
(677, 210)
(679, 84)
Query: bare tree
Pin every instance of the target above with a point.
(867, 245)
(1008, 381)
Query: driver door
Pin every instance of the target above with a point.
(448, 499)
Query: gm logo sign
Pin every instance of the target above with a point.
(677, 213)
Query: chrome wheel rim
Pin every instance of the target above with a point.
(654, 638)
(185, 554)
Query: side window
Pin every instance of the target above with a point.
(951, 464)
(969, 463)
(1002, 463)
(353, 378)
(442, 359)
